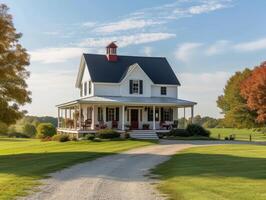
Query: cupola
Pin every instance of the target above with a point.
(111, 52)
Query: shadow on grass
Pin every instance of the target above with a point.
(208, 165)
(40, 164)
(6, 139)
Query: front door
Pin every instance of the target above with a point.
(134, 119)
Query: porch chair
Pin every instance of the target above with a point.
(86, 124)
(114, 124)
(164, 125)
(175, 124)
(101, 125)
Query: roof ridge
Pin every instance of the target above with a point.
(126, 55)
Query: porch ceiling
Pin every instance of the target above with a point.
(131, 101)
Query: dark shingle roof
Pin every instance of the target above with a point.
(157, 68)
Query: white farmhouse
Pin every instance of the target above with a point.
(138, 94)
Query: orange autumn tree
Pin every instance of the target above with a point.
(253, 89)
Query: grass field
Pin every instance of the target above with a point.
(226, 172)
(241, 134)
(24, 161)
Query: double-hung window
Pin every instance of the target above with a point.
(163, 90)
(85, 89)
(136, 86)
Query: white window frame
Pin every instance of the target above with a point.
(135, 87)
(162, 88)
(111, 115)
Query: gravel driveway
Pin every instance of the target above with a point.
(116, 177)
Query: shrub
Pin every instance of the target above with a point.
(107, 134)
(45, 130)
(3, 128)
(178, 132)
(89, 136)
(17, 135)
(97, 140)
(61, 138)
(194, 129)
(29, 130)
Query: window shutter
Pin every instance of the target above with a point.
(141, 86)
(117, 114)
(162, 115)
(107, 119)
(131, 87)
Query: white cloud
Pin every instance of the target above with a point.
(49, 89)
(218, 47)
(89, 24)
(55, 55)
(126, 24)
(255, 45)
(184, 51)
(206, 8)
(54, 33)
(147, 51)
(126, 40)
(204, 88)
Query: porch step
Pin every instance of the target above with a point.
(144, 135)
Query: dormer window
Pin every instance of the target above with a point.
(136, 87)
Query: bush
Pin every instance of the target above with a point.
(17, 135)
(178, 132)
(61, 138)
(3, 128)
(197, 130)
(45, 130)
(107, 134)
(29, 130)
(89, 136)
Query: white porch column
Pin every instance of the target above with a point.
(65, 117)
(154, 125)
(123, 118)
(92, 116)
(58, 118)
(79, 117)
(184, 117)
(192, 114)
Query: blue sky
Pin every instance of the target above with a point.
(205, 42)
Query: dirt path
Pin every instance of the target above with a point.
(116, 177)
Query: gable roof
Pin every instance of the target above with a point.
(156, 68)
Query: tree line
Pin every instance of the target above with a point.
(243, 102)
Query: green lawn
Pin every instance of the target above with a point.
(24, 161)
(226, 172)
(241, 134)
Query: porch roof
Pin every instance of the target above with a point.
(131, 101)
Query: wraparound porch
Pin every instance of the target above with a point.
(122, 113)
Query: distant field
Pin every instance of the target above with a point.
(241, 134)
(224, 172)
(24, 161)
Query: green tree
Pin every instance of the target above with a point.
(45, 130)
(29, 130)
(3, 128)
(233, 105)
(13, 73)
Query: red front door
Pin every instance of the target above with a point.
(134, 119)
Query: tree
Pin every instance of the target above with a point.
(234, 106)
(13, 62)
(253, 89)
(29, 130)
(45, 130)
(3, 128)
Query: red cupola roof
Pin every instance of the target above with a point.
(111, 52)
